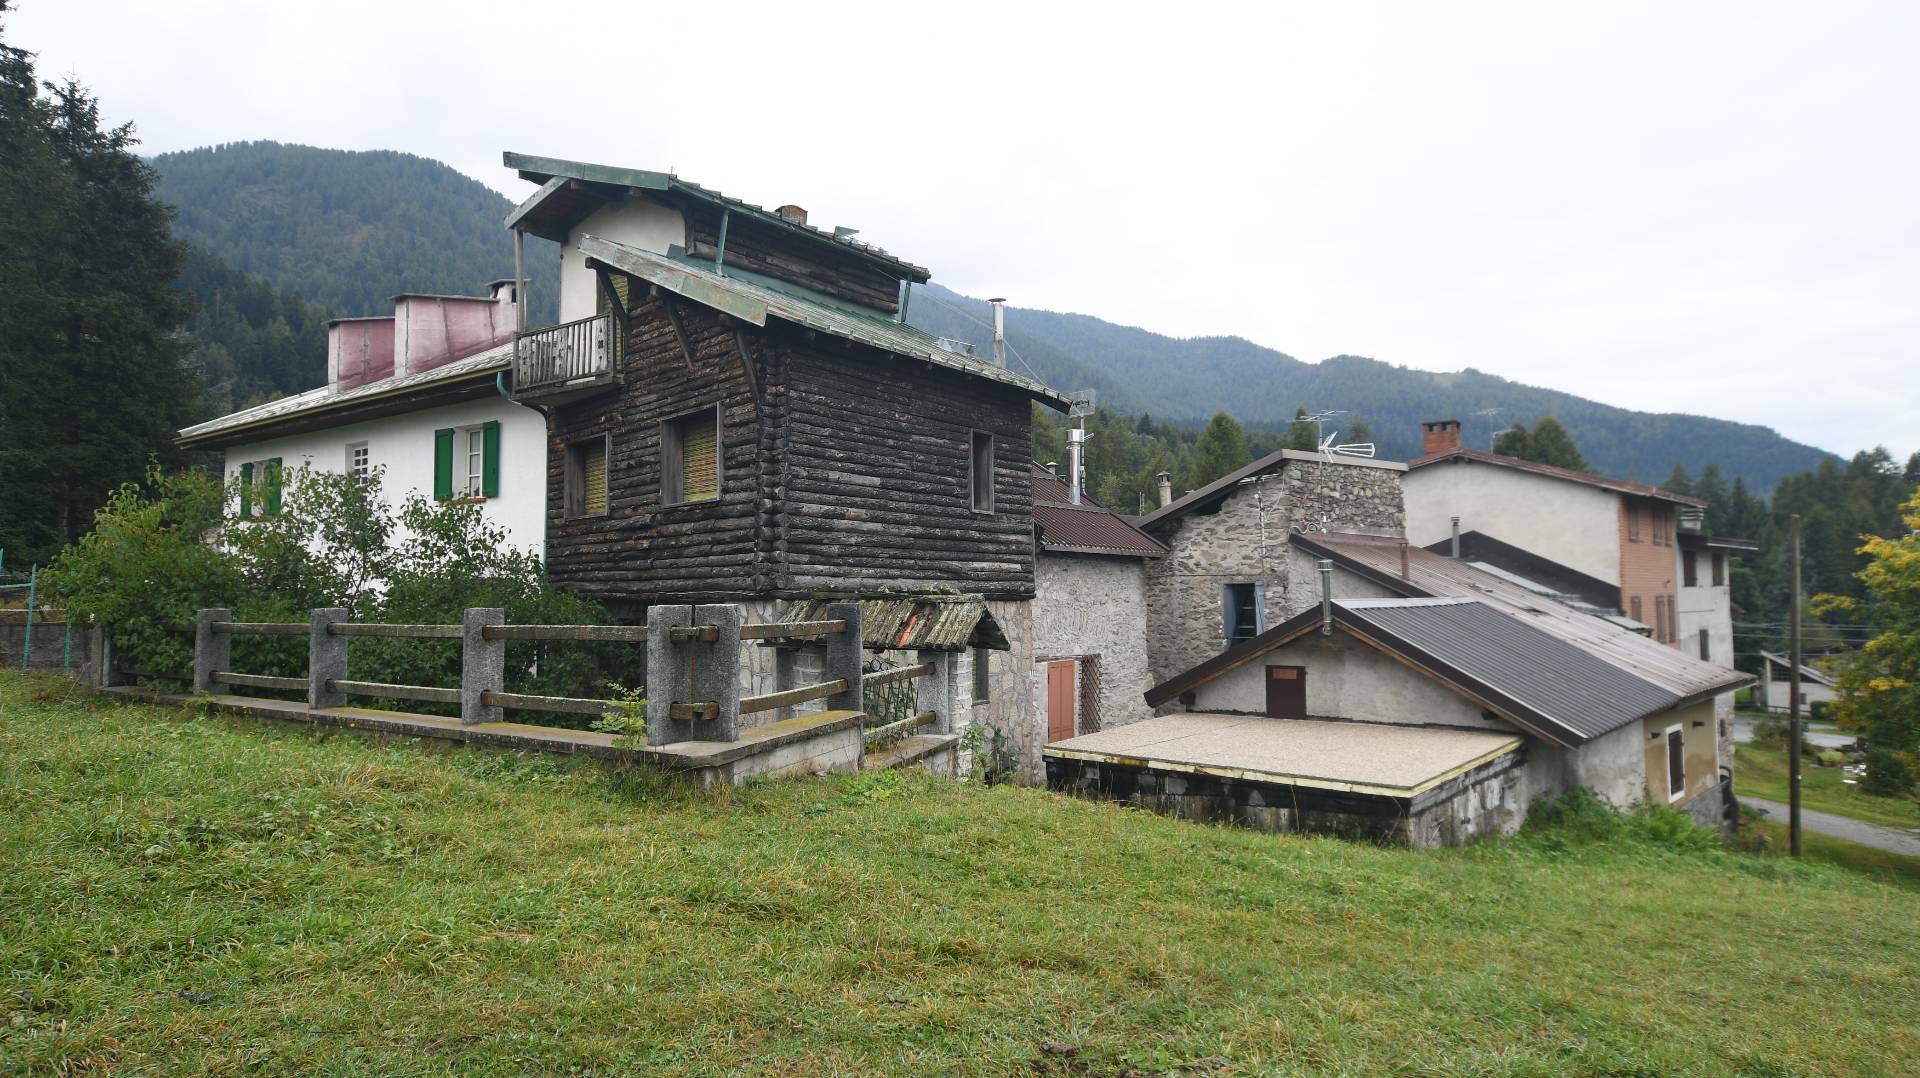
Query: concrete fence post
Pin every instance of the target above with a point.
(483, 664)
(211, 651)
(326, 658)
(100, 657)
(845, 654)
(716, 670)
(669, 680)
(934, 692)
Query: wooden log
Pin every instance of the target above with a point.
(261, 628)
(415, 632)
(750, 705)
(568, 705)
(424, 693)
(260, 681)
(626, 634)
(904, 673)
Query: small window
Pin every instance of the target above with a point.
(1676, 763)
(1241, 607)
(981, 472)
(690, 464)
(1719, 569)
(466, 462)
(1633, 524)
(359, 464)
(260, 488)
(1635, 611)
(1690, 569)
(1706, 651)
(473, 458)
(587, 478)
(982, 675)
(1660, 618)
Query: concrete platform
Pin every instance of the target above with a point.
(1352, 757)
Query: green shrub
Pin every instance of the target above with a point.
(1580, 816)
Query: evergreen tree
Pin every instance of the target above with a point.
(1357, 432)
(1550, 443)
(1222, 449)
(1678, 481)
(1301, 433)
(1512, 442)
(93, 371)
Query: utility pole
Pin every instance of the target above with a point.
(1793, 690)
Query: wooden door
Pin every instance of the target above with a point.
(1287, 692)
(1060, 700)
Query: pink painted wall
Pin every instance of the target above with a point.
(364, 348)
(437, 330)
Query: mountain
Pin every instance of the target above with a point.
(346, 230)
(292, 235)
(1186, 380)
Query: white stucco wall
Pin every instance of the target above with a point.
(1571, 523)
(1093, 605)
(638, 222)
(403, 446)
(1347, 680)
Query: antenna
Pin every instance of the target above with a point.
(1350, 449)
(1081, 403)
(1319, 419)
(1493, 435)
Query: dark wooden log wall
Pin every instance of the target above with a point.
(846, 473)
(762, 248)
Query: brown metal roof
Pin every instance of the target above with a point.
(1087, 528)
(1434, 575)
(1465, 455)
(916, 622)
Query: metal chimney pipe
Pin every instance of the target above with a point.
(1456, 537)
(1326, 597)
(1406, 570)
(1166, 488)
(1076, 453)
(1000, 333)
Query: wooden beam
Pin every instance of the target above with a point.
(620, 311)
(679, 331)
(746, 366)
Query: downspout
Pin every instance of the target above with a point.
(500, 383)
(906, 294)
(1456, 538)
(720, 247)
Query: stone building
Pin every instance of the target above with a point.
(1229, 572)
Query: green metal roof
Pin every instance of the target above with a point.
(754, 299)
(553, 174)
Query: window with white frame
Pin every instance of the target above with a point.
(1676, 763)
(472, 446)
(359, 463)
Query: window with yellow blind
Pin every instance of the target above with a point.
(691, 468)
(587, 478)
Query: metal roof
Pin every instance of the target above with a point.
(1086, 528)
(1465, 455)
(1219, 489)
(754, 301)
(1433, 575)
(325, 399)
(556, 199)
(1807, 673)
(915, 622)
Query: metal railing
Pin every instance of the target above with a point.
(564, 353)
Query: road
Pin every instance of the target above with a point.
(1743, 731)
(1826, 823)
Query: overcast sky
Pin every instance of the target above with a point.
(1708, 208)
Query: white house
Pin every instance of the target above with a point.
(417, 395)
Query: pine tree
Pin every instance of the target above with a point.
(93, 377)
(1550, 443)
(1512, 442)
(1678, 481)
(1222, 448)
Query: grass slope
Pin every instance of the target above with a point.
(1763, 774)
(190, 893)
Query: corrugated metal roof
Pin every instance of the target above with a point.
(915, 622)
(1430, 574)
(1087, 528)
(754, 302)
(1785, 666)
(323, 398)
(1568, 686)
(548, 169)
(1621, 485)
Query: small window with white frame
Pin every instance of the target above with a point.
(359, 463)
(1676, 739)
(471, 454)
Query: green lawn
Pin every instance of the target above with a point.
(1762, 773)
(191, 893)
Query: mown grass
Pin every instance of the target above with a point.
(187, 893)
(1762, 773)
(1893, 868)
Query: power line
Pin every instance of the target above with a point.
(988, 325)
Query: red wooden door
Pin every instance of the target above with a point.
(1060, 700)
(1287, 692)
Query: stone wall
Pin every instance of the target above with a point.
(50, 644)
(1245, 541)
(1092, 605)
(1009, 705)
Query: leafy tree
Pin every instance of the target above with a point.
(1222, 449)
(1880, 683)
(1547, 443)
(93, 371)
(1512, 442)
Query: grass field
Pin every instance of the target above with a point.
(188, 893)
(1762, 773)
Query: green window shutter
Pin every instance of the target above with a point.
(246, 490)
(490, 460)
(443, 464)
(273, 487)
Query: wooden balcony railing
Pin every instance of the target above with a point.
(564, 360)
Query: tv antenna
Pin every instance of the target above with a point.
(1493, 435)
(1350, 449)
(1319, 421)
(1080, 403)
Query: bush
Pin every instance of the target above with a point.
(1581, 816)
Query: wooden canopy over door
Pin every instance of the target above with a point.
(1287, 692)
(1060, 700)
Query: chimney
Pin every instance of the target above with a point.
(999, 331)
(505, 293)
(1166, 488)
(1076, 455)
(792, 214)
(1439, 436)
(1456, 538)
(1406, 566)
(359, 351)
(1326, 597)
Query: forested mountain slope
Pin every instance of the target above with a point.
(1187, 380)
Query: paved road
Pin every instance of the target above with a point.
(1743, 731)
(1826, 823)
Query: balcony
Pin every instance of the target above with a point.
(565, 362)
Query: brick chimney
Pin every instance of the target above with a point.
(1439, 436)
